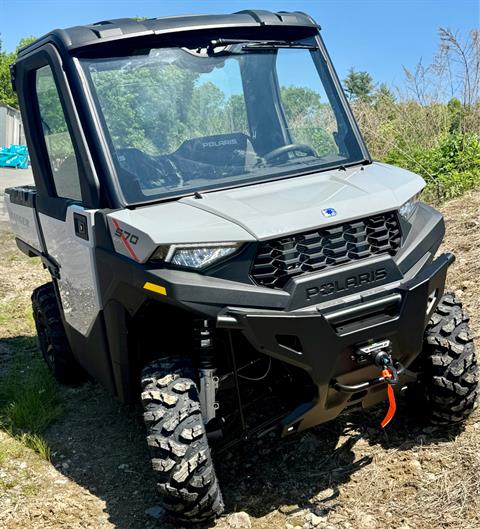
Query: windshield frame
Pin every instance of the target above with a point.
(323, 65)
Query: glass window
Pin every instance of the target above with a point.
(309, 114)
(57, 137)
(154, 104)
(183, 120)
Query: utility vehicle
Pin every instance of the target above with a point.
(220, 242)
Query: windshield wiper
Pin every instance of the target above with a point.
(297, 161)
(252, 45)
(277, 45)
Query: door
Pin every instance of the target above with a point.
(63, 177)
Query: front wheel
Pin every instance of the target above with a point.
(178, 442)
(449, 380)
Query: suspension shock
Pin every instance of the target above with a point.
(203, 345)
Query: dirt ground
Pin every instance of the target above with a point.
(345, 475)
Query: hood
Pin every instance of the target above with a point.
(295, 204)
(136, 233)
(263, 211)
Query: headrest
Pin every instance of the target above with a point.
(220, 149)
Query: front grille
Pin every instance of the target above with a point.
(280, 259)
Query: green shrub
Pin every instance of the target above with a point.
(450, 168)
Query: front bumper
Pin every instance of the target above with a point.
(322, 340)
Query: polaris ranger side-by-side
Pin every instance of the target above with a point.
(221, 243)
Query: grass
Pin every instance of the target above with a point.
(29, 402)
(29, 396)
(10, 448)
(37, 444)
(14, 309)
(14, 471)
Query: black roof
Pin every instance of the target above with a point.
(123, 28)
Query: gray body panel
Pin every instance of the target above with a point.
(168, 223)
(23, 221)
(78, 279)
(293, 205)
(267, 210)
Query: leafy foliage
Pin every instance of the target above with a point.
(424, 131)
(359, 85)
(7, 95)
(427, 140)
(310, 121)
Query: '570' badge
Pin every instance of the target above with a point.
(126, 235)
(128, 239)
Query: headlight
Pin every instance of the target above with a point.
(194, 255)
(408, 209)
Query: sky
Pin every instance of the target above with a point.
(378, 36)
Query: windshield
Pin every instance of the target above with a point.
(181, 121)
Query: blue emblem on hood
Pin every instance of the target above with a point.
(329, 212)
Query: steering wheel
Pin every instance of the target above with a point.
(284, 149)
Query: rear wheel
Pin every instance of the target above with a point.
(449, 381)
(52, 338)
(178, 442)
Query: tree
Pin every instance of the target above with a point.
(309, 119)
(7, 95)
(299, 101)
(359, 85)
(384, 94)
(383, 100)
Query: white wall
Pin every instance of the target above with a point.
(11, 128)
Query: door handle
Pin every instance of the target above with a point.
(81, 226)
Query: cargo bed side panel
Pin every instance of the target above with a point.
(20, 204)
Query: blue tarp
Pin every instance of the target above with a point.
(14, 156)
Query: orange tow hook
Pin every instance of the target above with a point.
(389, 376)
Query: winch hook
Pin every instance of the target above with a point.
(390, 375)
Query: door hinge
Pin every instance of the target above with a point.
(13, 79)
